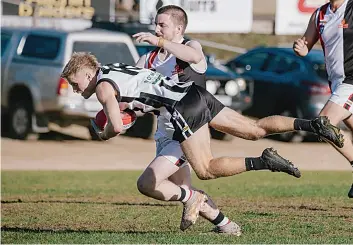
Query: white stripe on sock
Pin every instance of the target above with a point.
(224, 222)
(187, 196)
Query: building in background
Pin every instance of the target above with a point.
(211, 16)
(64, 14)
(280, 17)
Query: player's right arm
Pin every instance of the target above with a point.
(107, 97)
(303, 45)
(142, 61)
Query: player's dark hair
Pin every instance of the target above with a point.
(177, 13)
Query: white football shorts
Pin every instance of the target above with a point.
(342, 94)
(171, 150)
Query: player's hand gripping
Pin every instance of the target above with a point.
(300, 47)
(98, 124)
(146, 37)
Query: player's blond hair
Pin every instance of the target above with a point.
(78, 61)
(177, 13)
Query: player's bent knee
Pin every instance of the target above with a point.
(259, 132)
(255, 137)
(204, 174)
(140, 186)
(256, 134)
(144, 186)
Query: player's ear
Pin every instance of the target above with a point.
(89, 76)
(180, 29)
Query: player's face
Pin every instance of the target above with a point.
(165, 27)
(80, 82)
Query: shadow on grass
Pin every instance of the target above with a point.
(88, 202)
(57, 136)
(39, 230)
(169, 204)
(50, 136)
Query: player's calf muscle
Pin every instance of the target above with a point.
(275, 124)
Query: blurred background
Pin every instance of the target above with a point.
(251, 66)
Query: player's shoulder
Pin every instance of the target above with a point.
(323, 7)
(112, 66)
(119, 67)
(191, 42)
(316, 13)
(108, 72)
(105, 89)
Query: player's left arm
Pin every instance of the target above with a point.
(107, 97)
(191, 53)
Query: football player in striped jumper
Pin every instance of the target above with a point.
(191, 110)
(332, 24)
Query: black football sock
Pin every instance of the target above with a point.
(254, 163)
(303, 125)
(185, 195)
(220, 220)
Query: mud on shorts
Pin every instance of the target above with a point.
(197, 108)
(171, 150)
(342, 94)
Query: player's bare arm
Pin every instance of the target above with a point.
(303, 45)
(106, 96)
(191, 53)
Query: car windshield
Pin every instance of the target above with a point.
(144, 49)
(106, 52)
(5, 39)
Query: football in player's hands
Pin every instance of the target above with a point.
(129, 118)
(98, 124)
(101, 120)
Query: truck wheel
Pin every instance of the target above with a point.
(20, 120)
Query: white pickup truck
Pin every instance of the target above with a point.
(32, 93)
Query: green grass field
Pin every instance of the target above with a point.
(105, 207)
